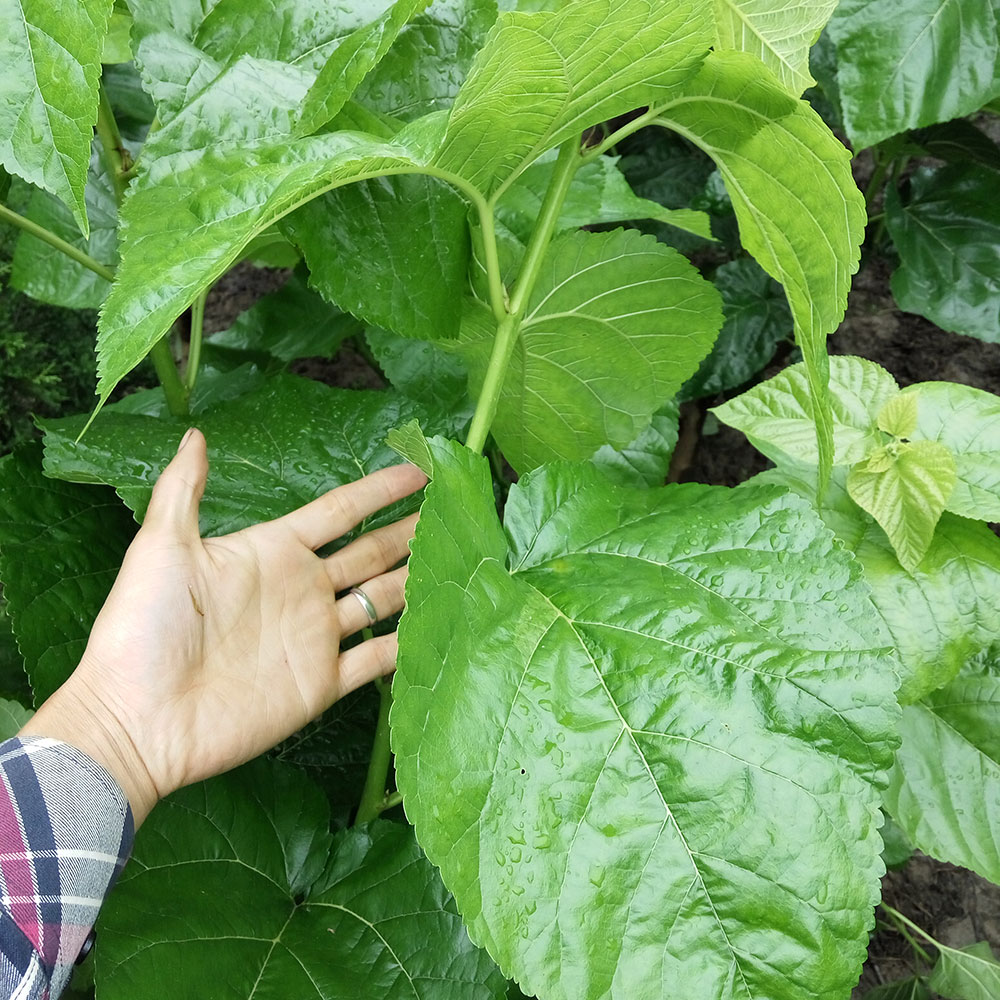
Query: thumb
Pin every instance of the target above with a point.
(178, 491)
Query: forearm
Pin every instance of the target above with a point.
(65, 831)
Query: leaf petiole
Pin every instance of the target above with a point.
(117, 159)
(373, 797)
(43, 234)
(194, 346)
(902, 923)
(509, 324)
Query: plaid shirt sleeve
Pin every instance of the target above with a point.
(66, 830)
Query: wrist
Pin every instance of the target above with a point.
(80, 718)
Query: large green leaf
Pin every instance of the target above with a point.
(779, 32)
(350, 63)
(615, 324)
(270, 451)
(60, 549)
(183, 45)
(971, 973)
(905, 486)
(393, 251)
(51, 59)
(967, 421)
(800, 214)
(672, 707)
(757, 321)
(39, 271)
(424, 69)
(290, 323)
(775, 415)
(237, 883)
(12, 717)
(948, 238)
(939, 613)
(939, 61)
(599, 194)
(945, 788)
(543, 78)
(189, 217)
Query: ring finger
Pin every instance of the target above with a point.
(386, 594)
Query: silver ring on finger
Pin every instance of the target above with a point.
(366, 602)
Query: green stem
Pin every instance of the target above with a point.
(117, 159)
(623, 133)
(373, 797)
(489, 395)
(509, 321)
(392, 800)
(166, 371)
(6, 215)
(567, 164)
(194, 344)
(498, 294)
(902, 923)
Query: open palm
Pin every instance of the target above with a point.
(210, 651)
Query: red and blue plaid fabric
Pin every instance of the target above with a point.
(65, 832)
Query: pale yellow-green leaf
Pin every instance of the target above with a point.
(779, 32)
(905, 487)
(899, 415)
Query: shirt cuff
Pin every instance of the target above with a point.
(66, 830)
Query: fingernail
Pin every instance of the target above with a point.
(184, 440)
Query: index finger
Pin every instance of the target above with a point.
(331, 515)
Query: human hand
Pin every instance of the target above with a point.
(210, 651)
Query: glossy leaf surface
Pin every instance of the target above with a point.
(945, 788)
(219, 201)
(60, 549)
(938, 62)
(775, 415)
(182, 46)
(394, 251)
(237, 879)
(270, 450)
(948, 238)
(757, 321)
(654, 734)
(51, 59)
(941, 612)
(905, 486)
(779, 32)
(800, 215)
(967, 421)
(424, 69)
(971, 973)
(615, 324)
(350, 63)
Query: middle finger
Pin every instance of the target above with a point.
(370, 554)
